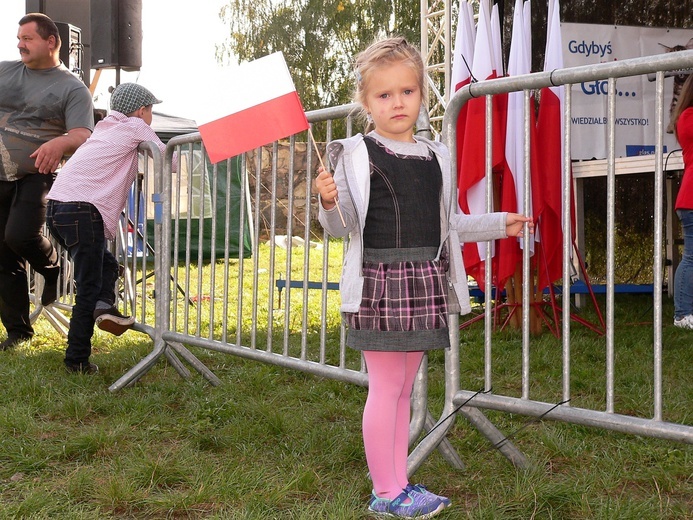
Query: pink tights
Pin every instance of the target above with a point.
(386, 418)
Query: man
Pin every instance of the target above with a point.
(45, 113)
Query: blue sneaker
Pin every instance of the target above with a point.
(415, 505)
(379, 505)
(420, 488)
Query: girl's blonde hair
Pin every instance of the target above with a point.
(382, 53)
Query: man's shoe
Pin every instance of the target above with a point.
(50, 286)
(82, 368)
(111, 320)
(12, 341)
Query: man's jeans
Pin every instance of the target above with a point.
(683, 279)
(22, 215)
(78, 227)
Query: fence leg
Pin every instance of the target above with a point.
(196, 363)
(423, 419)
(176, 363)
(488, 430)
(437, 439)
(141, 368)
(59, 321)
(445, 447)
(437, 433)
(169, 350)
(430, 442)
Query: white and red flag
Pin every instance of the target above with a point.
(472, 158)
(462, 59)
(496, 42)
(262, 106)
(519, 63)
(463, 54)
(512, 183)
(550, 133)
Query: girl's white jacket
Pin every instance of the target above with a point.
(349, 158)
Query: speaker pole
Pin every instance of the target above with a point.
(95, 81)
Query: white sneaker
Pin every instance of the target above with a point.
(685, 323)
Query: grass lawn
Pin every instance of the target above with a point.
(271, 443)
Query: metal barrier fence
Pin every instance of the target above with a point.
(225, 300)
(187, 286)
(221, 299)
(524, 404)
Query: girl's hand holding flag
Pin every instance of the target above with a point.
(326, 188)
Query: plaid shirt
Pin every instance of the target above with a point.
(102, 170)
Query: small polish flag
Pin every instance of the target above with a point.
(263, 106)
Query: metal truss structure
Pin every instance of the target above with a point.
(437, 42)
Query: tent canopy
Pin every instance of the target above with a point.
(168, 126)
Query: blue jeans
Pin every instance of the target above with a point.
(683, 279)
(78, 227)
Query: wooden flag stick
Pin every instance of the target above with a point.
(317, 151)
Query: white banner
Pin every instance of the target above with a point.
(588, 44)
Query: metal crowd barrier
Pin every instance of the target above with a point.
(222, 299)
(189, 288)
(456, 396)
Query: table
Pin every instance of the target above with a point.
(672, 162)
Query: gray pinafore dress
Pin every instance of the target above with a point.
(404, 301)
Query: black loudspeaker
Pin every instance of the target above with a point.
(71, 49)
(116, 34)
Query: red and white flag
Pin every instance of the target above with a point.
(462, 59)
(512, 183)
(496, 42)
(550, 132)
(463, 54)
(519, 63)
(472, 158)
(262, 106)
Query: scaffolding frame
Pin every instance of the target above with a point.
(437, 40)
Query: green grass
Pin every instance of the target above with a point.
(271, 443)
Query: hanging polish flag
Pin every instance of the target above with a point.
(472, 156)
(550, 225)
(511, 189)
(464, 47)
(463, 56)
(496, 42)
(262, 106)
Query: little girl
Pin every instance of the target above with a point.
(403, 270)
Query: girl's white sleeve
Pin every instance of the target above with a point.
(479, 228)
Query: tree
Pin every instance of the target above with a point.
(319, 38)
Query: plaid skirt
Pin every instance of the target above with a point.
(403, 307)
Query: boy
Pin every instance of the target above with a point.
(84, 207)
